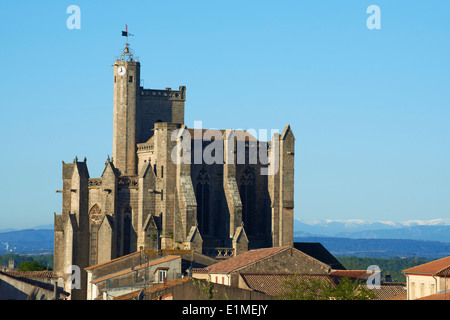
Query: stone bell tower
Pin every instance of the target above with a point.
(136, 110)
(126, 95)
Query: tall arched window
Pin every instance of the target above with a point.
(95, 215)
(247, 193)
(202, 196)
(127, 226)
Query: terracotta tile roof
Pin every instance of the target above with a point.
(272, 284)
(437, 267)
(437, 296)
(150, 253)
(114, 260)
(358, 274)
(402, 296)
(391, 291)
(33, 274)
(241, 260)
(387, 291)
(199, 270)
(157, 287)
(134, 268)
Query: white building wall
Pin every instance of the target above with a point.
(419, 286)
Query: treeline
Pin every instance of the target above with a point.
(381, 248)
(46, 260)
(388, 266)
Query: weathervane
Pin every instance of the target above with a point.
(127, 52)
(126, 34)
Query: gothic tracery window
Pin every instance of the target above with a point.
(247, 193)
(95, 215)
(127, 213)
(202, 196)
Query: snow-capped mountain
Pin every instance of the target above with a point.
(432, 222)
(434, 229)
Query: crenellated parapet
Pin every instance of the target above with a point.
(166, 94)
(95, 182)
(128, 181)
(145, 147)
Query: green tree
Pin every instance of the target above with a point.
(303, 287)
(351, 290)
(306, 287)
(18, 259)
(392, 266)
(31, 266)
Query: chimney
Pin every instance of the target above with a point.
(55, 290)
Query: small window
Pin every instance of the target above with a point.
(161, 275)
(130, 79)
(115, 79)
(162, 172)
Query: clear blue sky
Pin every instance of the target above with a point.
(369, 108)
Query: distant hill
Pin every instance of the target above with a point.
(433, 230)
(381, 248)
(332, 228)
(36, 241)
(434, 233)
(44, 226)
(7, 230)
(28, 241)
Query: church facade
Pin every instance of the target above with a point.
(172, 187)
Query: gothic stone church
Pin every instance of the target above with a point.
(145, 200)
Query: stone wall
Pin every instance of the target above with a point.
(290, 261)
(195, 289)
(14, 288)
